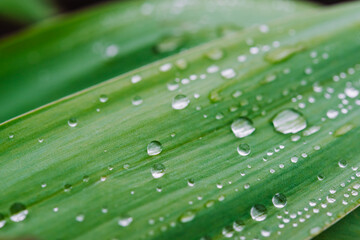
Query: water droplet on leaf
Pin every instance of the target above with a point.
(242, 127)
(18, 212)
(154, 148)
(158, 170)
(180, 102)
(289, 121)
(258, 212)
(279, 200)
(243, 149)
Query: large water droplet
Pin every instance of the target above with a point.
(289, 121)
(279, 200)
(180, 102)
(154, 148)
(18, 212)
(158, 170)
(243, 149)
(242, 127)
(258, 212)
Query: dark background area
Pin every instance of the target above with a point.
(8, 26)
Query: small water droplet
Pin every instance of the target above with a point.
(279, 200)
(344, 129)
(331, 114)
(180, 102)
(137, 100)
(80, 218)
(18, 212)
(242, 127)
(258, 212)
(228, 73)
(238, 225)
(136, 79)
(158, 170)
(2, 220)
(228, 232)
(168, 44)
(342, 163)
(351, 92)
(243, 149)
(191, 182)
(188, 216)
(289, 121)
(215, 54)
(154, 148)
(67, 187)
(265, 233)
(72, 122)
(103, 98)
(283, 53)
(125, 221)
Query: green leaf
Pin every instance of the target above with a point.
(347, 228)
(61, 56)
(26, 11)
(74, 159)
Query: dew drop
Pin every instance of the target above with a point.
(2, 220)
(228, 232)
(243, 149)
(67, 187)
(188, 216)
(80, 218)
(135, 79)
(351, 92)
(125, 221)
(72, 122)
(103, 98)
(180, 102)
(154, 148)
(215, 54)
(238, 225)
(191, 182)
(265, 233)
(137, 100)
(289, 121)
(242, 127)
(279, 200)
(283, 53)
(18, 212)
(342, 163)
(258, 212)
(331, 114)
(228, 73)
(158, 170)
